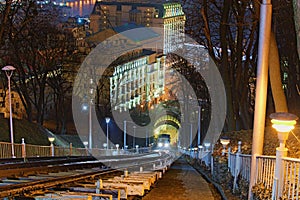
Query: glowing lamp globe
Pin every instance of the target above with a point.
(283, 123)
(51, 139)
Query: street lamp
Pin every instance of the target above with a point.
(199, 125)
(85, 143)
(107, 120)
(283, 123)
(224, 143)
(9, 71)
(133, 142)
(51, 140)
(200, 151)
(124, 140)
(206, 145)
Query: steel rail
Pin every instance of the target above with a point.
(25, 188)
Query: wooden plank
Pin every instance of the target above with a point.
(146, 181)
(135, 188)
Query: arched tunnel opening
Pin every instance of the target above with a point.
(167, 125)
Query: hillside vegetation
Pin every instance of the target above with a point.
(31, 132)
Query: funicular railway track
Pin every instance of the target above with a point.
(83, 176)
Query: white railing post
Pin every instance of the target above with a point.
(237, 166)
(23, 148)
(71, 148)
(279, 172)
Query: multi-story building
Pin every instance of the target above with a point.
(161, 14)
(17, 107)
(138, 81)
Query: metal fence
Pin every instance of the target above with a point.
(291, 178)
(265, 168)
(239, 165)
(28, 150)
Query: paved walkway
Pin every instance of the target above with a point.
(180, 182)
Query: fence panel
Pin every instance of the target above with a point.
(291, 187)
(245, 167)
(5, 150)
(265, 166)
(231, 163)
(37, 151)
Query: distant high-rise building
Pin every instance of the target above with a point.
(161, 14)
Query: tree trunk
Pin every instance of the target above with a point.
(275, 77)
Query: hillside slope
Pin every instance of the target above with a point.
(31, 132)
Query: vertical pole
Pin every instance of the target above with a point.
(281, 151)
(133, 142)
(124, 135)
(71, 148)
(199, 124)
(10, 117)
(107, 146)
(23, 149)
(146, 145)
(52, 149)
(191, 138)
(90, 127)
(191, 135)
(261, 87)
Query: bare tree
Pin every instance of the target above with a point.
(228, 29)
(35, 45)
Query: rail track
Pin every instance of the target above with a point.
(84, 176)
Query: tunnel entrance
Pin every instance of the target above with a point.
(169, 125)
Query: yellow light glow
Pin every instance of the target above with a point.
(51, 139)
(283, 125)
(282, 128)
(225, 141)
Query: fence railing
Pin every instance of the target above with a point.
(291, 178)
(239, 166)
(265, 168)
(28, 150)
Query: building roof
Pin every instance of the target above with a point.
(142, 33)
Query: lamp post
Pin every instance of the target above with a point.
(283, 123)
(85, 143)
(51, 140)
(224, 143)
(107, 120)
(91, 90)
(191, 136)
(199, 125)
(146, 142)
(124, 139)
(9, 71)
(200, 151)
(133, 141)
(206, 145)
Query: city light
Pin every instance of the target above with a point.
(107, 120)
(9, 71)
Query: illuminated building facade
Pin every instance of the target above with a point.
(137, 81)
(18, 109)
(162, 14)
